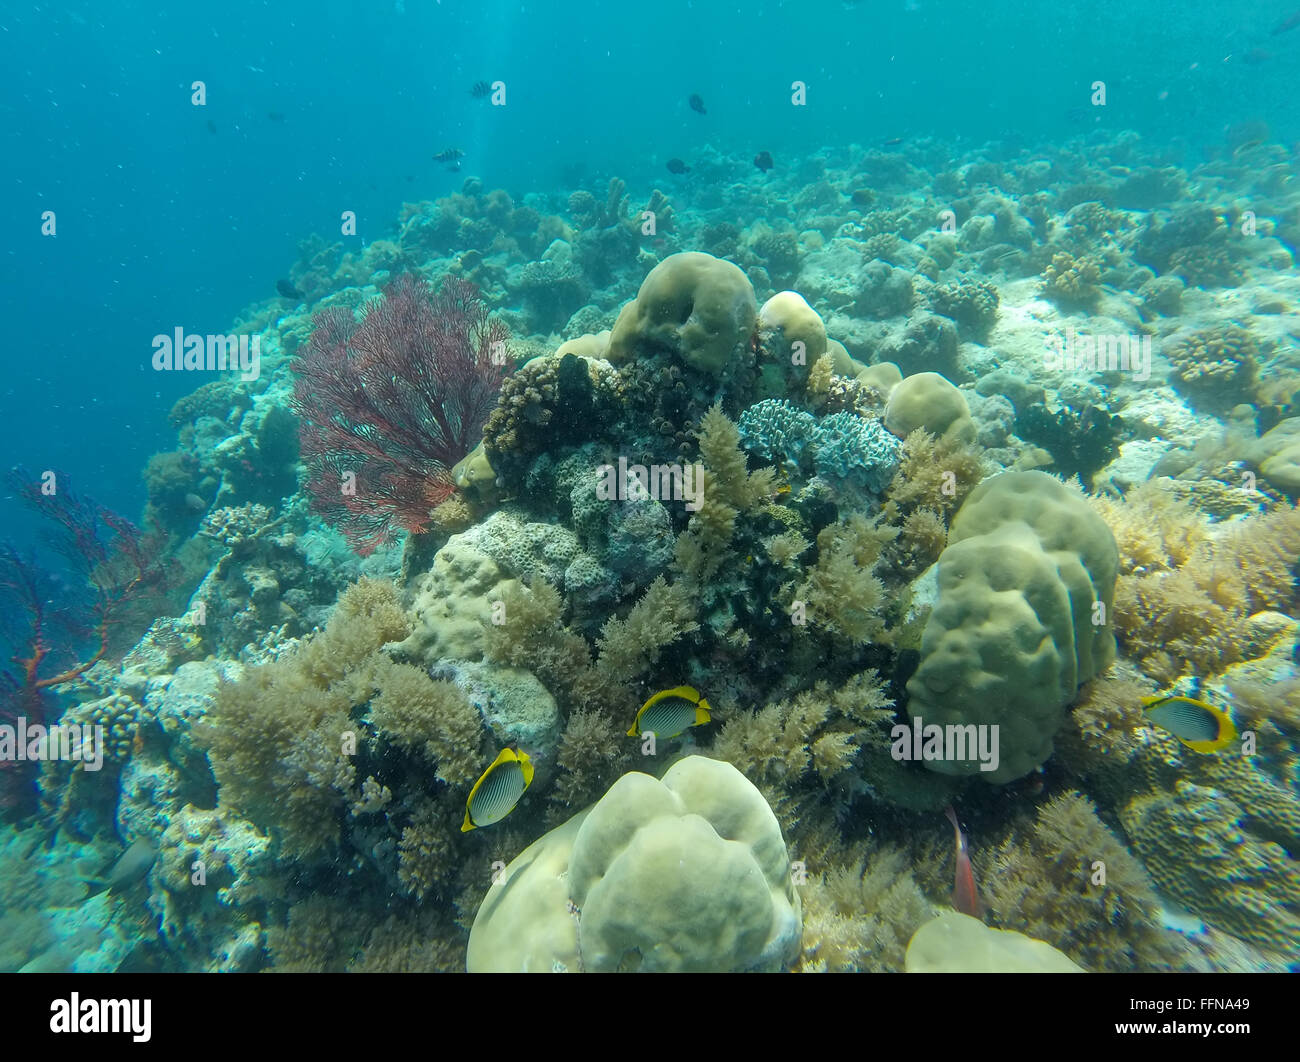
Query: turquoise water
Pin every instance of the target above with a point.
(971, 190)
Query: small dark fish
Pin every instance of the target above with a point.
(212, 126)
(481, 90)
(678, 166)
(286, 289)
(697, 104)
(1256, 56)
(275, 116)
(1289, 23)
(409, 177)
(763, 160)
(893, 141)
(863, 197)
(449, 155)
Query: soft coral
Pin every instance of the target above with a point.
(395, 399)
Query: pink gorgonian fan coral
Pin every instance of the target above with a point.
(56, 623)
(390, 402)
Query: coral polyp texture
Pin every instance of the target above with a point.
(898, 479)
(1026, 585)
(688, 873)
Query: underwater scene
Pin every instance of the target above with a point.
(791, 487)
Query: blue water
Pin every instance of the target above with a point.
(162, 222)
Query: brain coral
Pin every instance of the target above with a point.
(686, 874)
(699, 308)
(1012, 634)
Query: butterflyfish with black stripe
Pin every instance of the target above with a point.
(1200, 726)
(670, 712)
(498, 790)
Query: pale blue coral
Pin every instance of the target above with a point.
(844, 449)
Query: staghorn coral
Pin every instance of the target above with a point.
(1216, 368)
(1048, 885)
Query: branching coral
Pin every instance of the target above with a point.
(1073, 884)
(1216, 367)
(1071, 281)
(973, 304)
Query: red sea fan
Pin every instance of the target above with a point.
(389, 403)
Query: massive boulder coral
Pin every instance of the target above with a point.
(927, 400)
(685, 874)
(1022, 618)
(699, 308)
(957, 943)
